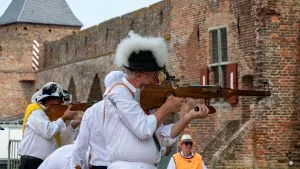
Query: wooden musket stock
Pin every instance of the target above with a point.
(153, 96)
(56, 111)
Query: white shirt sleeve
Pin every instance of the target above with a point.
(171, 164)
(40, 123)
(81, 143)
(164, 134)
(67, 135)
(131, 113)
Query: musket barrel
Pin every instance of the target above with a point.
(153, 96)
(250, 93)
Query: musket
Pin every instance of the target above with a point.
(56, 111)
(153, 96)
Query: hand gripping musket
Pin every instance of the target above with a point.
(56, 111)
(153, 96)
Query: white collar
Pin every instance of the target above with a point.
(129, 85)
(42, 106)
(189, 156)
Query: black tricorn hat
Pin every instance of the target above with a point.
(142, 53)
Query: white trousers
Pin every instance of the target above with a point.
(130, 165)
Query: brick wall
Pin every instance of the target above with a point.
(191, 50)
(277, 130)
(237, 152)
(16, 76)
(90, 53)
(262, 38)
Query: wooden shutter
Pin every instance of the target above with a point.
(204, 73)
(232, 80)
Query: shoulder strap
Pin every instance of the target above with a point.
(110, 89)
(118, 84)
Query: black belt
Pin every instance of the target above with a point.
(99, 167)
(30, 158)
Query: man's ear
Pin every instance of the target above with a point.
(139, 76)
(179, 144)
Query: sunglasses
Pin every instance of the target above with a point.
(188, 143)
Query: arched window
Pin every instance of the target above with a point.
(72, 90)
(95, 92)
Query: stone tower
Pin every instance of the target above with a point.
(24, 26)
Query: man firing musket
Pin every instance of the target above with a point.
(153, 96)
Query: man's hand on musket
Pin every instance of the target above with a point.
(68, 114)
(172, 104)
(200, 111)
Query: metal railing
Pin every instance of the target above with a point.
(13, 161)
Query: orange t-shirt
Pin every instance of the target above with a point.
(188, 163)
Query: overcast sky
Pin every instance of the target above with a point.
(93, 12)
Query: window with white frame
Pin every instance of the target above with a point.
(220, 72)
(219, 56)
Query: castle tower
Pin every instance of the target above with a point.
(24, 27)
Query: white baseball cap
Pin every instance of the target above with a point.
(186, 137)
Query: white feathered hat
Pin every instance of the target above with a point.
(142, 53)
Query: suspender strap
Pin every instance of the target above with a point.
(156, 141)
(118, 84)
(110, 89)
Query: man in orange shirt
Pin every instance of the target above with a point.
(186, 159)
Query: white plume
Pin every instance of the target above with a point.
(135, 43)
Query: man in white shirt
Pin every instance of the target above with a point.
(130, 136)
(61, 159)
(186, 159)
(90, 133)
(41, 136)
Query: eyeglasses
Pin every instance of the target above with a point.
(159, 76)
(151, 74)
(188, 143)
